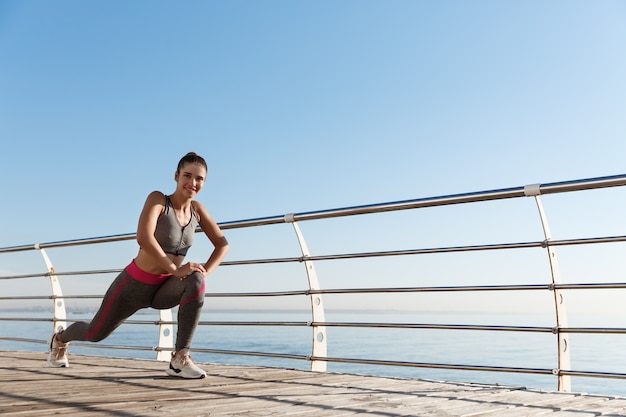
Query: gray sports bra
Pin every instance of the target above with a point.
(174, 238)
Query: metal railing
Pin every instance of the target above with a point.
(318, 324)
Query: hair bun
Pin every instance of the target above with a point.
(191, 157)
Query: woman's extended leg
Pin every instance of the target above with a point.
(123, 298)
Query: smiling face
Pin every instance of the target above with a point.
(190, 179)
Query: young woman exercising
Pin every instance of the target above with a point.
(157, 277)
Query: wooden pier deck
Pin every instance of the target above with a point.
(99, 386)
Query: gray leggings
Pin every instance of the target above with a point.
(126, 296)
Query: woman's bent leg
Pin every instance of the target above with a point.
(188, 294)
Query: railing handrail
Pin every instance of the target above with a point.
(514, 192)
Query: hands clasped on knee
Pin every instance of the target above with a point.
(189, 268)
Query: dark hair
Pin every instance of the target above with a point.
(191, 158)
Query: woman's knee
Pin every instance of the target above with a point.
(194, 281)
(194, 290)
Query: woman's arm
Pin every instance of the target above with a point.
(215, 235)
(152, 209)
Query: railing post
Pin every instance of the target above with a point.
(166, 336)
(59, 312)
(319, 346)
(564, 381)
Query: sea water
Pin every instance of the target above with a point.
(589, 352)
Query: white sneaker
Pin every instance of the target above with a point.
(182, 366)
(57, 355)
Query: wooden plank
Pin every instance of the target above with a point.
(95, 386)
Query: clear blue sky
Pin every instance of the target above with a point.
(298, 106)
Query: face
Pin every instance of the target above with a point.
(190, 179)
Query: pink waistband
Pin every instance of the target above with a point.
(146, 277)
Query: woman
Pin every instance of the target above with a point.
(157, 277)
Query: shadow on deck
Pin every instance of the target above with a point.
(133, 387)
